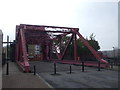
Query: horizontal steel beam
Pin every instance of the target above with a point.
(27, 25)
(50, 31)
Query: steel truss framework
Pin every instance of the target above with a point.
(46, 35)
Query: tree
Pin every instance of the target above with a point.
(92, 37)
(82, 50)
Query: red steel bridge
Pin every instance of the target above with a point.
(46, 36)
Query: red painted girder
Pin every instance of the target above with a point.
(66, 47)
(87, 63)
(17, 28)
(26, 26)
(75, 47)
(25, 58)
(90, 48)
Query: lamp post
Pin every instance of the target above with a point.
(114, 54)
(7, 68)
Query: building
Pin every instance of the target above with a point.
(112, 53)
(34, 52)
(1, 40)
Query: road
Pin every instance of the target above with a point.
(91, 78)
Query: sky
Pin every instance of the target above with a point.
(90, 16)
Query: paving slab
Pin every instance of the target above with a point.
(19, 79)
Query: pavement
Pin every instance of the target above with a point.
(19, 79)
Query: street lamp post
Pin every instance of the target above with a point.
(7, 67)
(114, 54)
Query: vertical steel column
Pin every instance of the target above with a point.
(75, 47)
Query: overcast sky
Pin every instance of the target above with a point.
(100, 18)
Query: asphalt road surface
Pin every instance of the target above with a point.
(90, 78)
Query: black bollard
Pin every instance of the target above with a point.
(7, 69)
(82, 66)
(70, 69)
(111, 65)
(34, 70)
(54, 68)
(98, 65)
